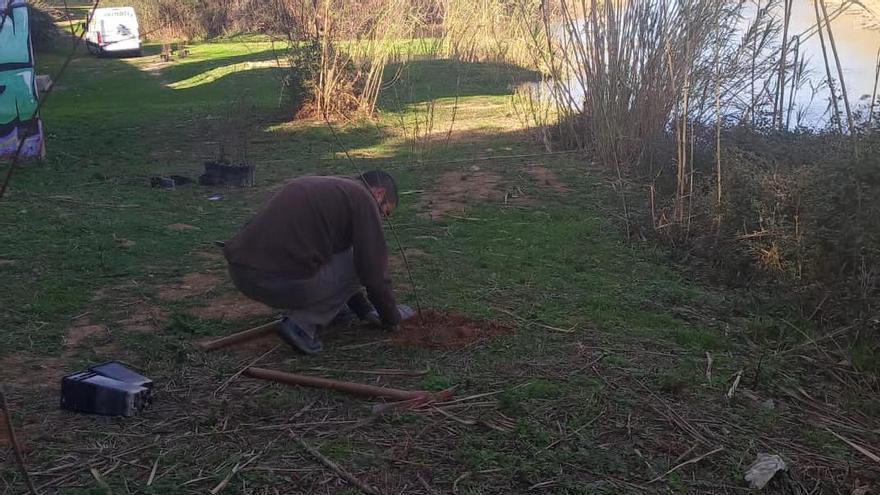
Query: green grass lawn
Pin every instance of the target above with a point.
(601, 388)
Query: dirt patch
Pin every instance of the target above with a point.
(83, 331)
(253, 348)
(28, 371)
(193, 284)
(231, 307)
(113, 350)
(548, 178)
(454, 191)
(446, 330)
(155, 68)
(181, 227)
(212, 255)
(118, 292)
(6, 263)
(144, 318)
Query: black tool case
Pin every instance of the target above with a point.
(111, 389)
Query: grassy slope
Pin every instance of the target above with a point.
(641, 332)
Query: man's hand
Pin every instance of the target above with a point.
(406, 312)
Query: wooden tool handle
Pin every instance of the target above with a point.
(240, 337)
(347, 387)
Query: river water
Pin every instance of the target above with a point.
(856, 32)
(857, 35)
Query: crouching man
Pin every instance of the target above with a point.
(312, 249)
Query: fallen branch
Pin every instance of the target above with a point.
(480, 396)
(235, 470)
(673, 417)
(867, 453)
(16, 447)
(335, 467)
(543, 484)
(459, 479)
(426, 485)
(407, 405)
(733, 387)
(381, 372)
(238, 374)
(153, 470)
(708, 367)
(463, 421)
(575, 432)
(535, 323)
(100, 481)
(825, 338)
(685, 463)
(239, 466)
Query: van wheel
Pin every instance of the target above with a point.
(92, 48)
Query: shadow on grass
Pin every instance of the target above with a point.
(187, 69)
(414, 83)
(426, 80)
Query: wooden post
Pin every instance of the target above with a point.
(16, 447)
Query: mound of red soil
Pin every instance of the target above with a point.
(446, 330)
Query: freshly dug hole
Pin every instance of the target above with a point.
(446, 330)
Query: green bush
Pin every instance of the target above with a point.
(44, 31)
(800, 213)
(299, 82)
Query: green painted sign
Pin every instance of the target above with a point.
(20, 125)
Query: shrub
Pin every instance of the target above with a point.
(800, 212)
(44, 31)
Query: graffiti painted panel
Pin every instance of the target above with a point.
(18, 92)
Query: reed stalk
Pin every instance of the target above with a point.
(874, 92)
(846, 105)
(779, 102)
(830, 79)
(796, 77)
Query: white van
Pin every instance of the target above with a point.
(113, 30)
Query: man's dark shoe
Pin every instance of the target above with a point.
(345, 317)
(296, 337)
(359, 305)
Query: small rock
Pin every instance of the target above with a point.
(474, 168)
(77, 335)
(768, 404)
(125, 243)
